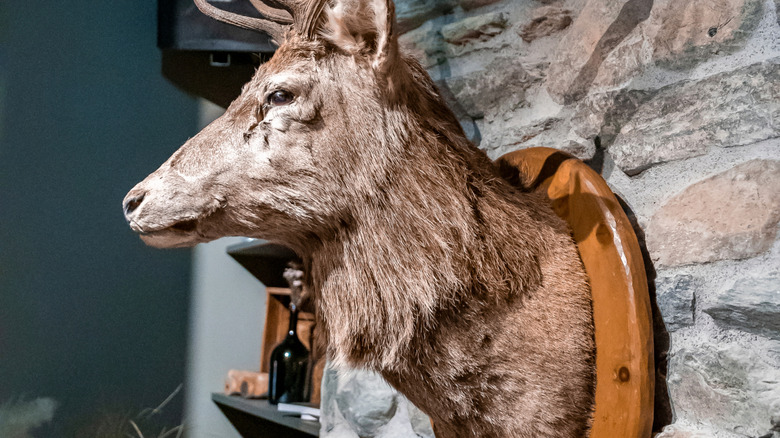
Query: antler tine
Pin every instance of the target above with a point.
(278, 15)
(276, 30)
(305, 14)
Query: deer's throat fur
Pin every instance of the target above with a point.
(467, 294)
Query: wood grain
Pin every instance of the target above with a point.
(621, 304)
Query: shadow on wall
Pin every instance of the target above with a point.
(631, 14)
(662, 413)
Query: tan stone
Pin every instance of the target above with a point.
(680, 34)
(611, 42)
(689, 31)
(596, 31)
(627, 61)
(732, 215)
(546, 21)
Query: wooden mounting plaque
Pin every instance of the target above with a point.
(621, 304)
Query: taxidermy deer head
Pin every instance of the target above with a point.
(465, 292)
(314, 133)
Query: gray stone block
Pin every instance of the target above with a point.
(501, 84)
(685, 119)
(359, 403)
(676, 297)
(412, 13)
(727, 387)
(477, 28)
(751, 305)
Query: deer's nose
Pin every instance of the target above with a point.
(132, 203)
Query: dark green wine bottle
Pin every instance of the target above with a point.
(289, 367)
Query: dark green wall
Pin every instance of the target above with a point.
(88, 315)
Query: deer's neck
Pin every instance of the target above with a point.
(444, 235)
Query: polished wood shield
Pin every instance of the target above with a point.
(621, 304)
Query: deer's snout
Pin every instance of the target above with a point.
(132, 202)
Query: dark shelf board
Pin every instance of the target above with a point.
(258, 418)
(266, 261)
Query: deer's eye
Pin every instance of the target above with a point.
(280, 97)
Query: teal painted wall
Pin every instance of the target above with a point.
(88, 315)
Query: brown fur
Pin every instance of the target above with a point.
(466, 293)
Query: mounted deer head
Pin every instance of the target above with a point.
(466, 293)
(301, 143)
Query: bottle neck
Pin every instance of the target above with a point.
(293, 328)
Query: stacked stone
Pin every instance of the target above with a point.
(677, 104)
(359, 403)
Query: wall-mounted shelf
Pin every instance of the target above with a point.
(256, 417)
(266, 261)
(260, 419)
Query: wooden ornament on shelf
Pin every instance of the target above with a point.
(247, 384)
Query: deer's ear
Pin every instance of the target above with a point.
(364, 28)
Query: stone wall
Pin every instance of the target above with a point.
(360, 404)
(677, 104)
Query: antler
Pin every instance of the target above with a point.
(306, 13)
(277, 15)
(301, 14)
